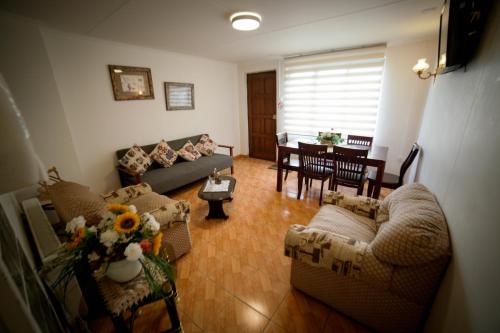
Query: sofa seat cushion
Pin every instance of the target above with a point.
(344, 222)
(182, 173)
(414, 231)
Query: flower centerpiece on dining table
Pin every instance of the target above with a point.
(329, 138)
(119, 246)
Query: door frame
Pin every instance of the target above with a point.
(249, 133)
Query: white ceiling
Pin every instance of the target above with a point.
(201, 27)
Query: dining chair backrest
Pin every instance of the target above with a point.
(359, 140)
(407, 162)
(349, 164)
(281, 138)
(312, 159)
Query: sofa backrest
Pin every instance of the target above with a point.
(412, 228)
(174, 144)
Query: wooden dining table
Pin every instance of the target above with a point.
(377, 156)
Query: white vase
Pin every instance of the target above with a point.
(123, 270)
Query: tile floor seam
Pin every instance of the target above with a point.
(279, 305)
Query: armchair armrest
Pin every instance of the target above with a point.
(231, 148)
(125, 194)
(172, 213)
(360, 205)
(319, 248)
(125, 173)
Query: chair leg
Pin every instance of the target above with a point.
(310, 183)
(286, 174)
(360, 189)
(307, 184)
(370, 189)
(321, 193)
(301, 180)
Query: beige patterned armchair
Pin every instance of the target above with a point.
(72, 199)
(379, 262)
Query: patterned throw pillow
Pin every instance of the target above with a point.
(189, 152)
(163, 154)
(136, 160)
(206, 146)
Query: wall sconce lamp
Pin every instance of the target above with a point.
(421, 68)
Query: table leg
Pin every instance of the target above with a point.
(279, 173)
(378, 179)
(216, 210)
(172, 313)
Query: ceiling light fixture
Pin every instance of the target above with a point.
(245, 21)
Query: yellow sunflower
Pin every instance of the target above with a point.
(127, 222)
(157, 243)
(118, 209)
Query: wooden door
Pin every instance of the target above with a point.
(261, 99)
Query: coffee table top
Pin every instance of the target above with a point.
(217, 196)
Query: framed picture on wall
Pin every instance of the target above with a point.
(179, 96)
(131, 83)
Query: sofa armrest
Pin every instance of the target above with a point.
(319, 248)
(360, 205)
(172, 213)
(231, 148)
(128, 177)
(125, 194)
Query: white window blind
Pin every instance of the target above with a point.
(337, 90)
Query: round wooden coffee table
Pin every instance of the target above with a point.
(215, 199)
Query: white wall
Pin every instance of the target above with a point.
(26, 68)
(402, 100)
(243, 70)
(460, 136)
(100, 125)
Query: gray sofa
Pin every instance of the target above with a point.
(181, 173)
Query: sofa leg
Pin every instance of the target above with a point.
(232, 169)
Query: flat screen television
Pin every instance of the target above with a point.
(461, 24)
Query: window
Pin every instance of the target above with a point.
(337, 90)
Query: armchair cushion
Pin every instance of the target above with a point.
(414, 231)
(359, 205)
(125, 194)
(341, 221)
(319, 248)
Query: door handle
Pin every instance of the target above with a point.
(274, 116)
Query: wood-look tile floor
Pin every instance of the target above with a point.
(236, 278)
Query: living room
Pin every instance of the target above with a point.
(61, 63)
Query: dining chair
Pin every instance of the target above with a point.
(359, 140)
(313, 165)
(390, 180)
(288, 162)
(349, 166)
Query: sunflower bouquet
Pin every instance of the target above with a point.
(122, 235)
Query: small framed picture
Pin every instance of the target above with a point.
(131, 83)
(179, 96)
